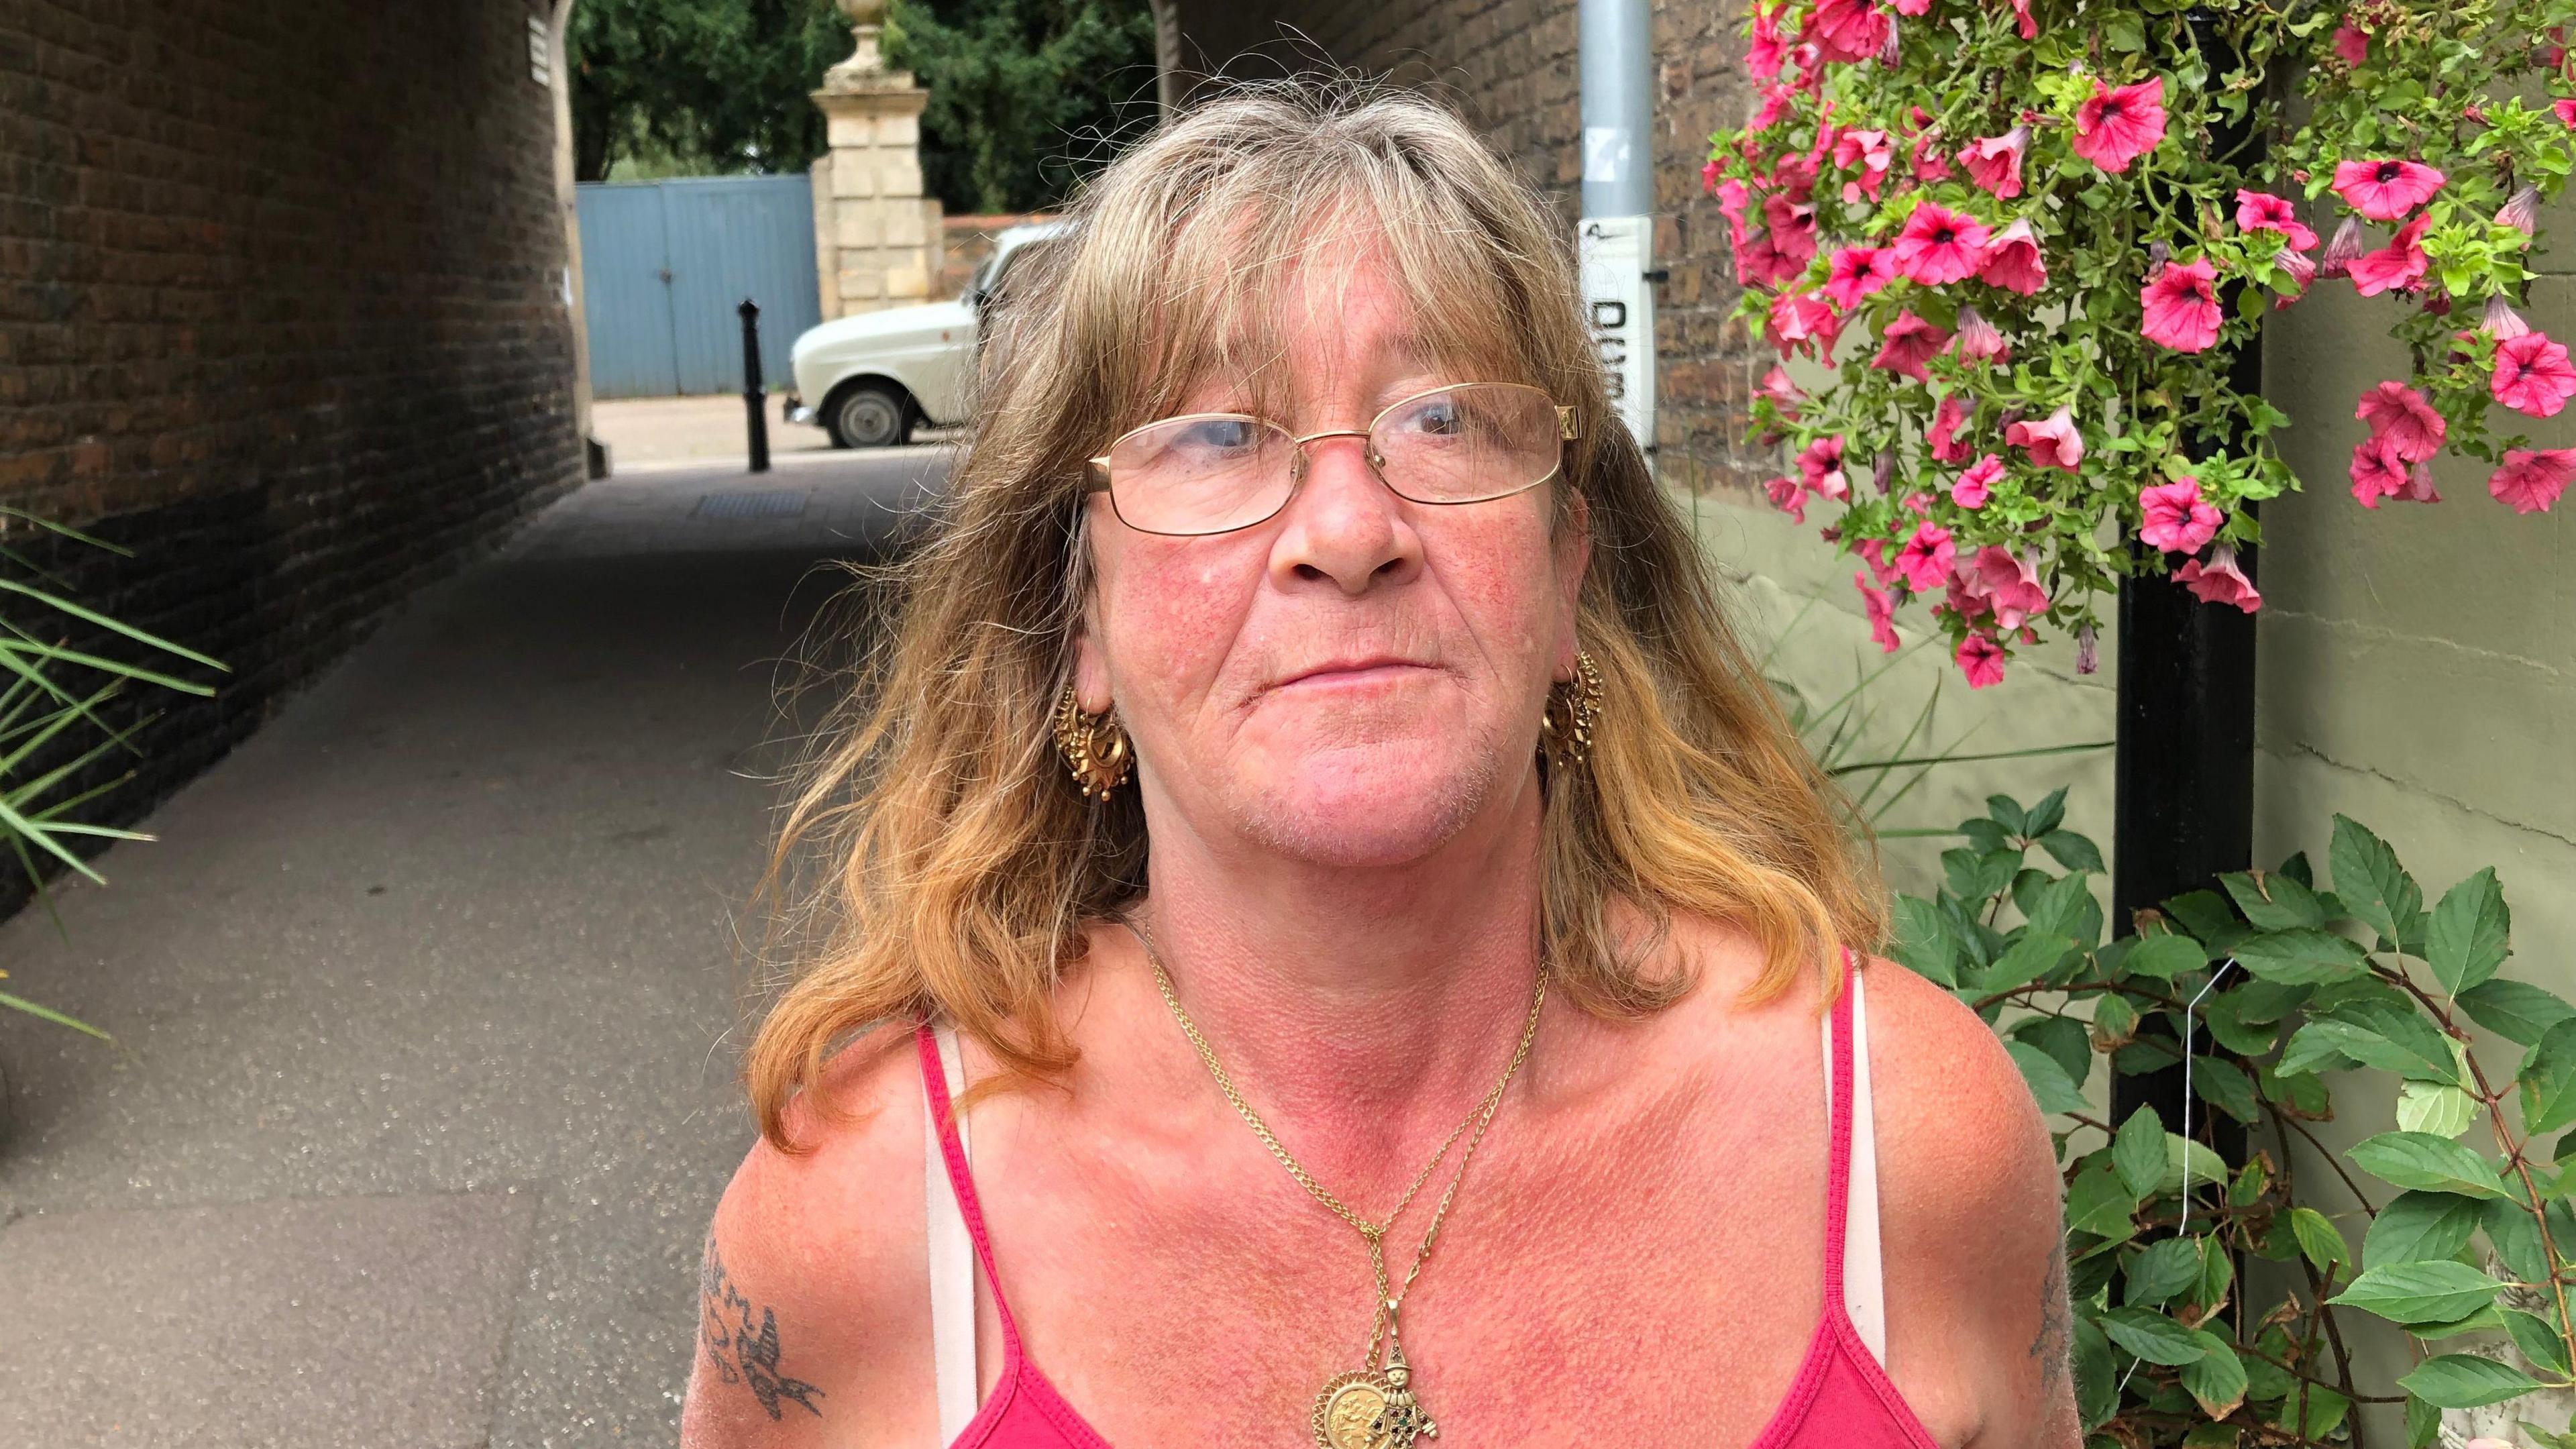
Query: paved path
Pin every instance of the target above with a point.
(422, 1085)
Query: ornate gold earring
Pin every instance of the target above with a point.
(1094, 747)
(1573, 705)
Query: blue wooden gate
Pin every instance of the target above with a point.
(665, 263)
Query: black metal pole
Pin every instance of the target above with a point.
(754, 401)
(2183, 775)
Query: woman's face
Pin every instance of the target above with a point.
(1355, 680)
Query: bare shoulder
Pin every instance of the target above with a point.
(813, 1308)
(1969, 1217)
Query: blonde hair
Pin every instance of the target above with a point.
(934, 859)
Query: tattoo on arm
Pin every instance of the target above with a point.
(742, 1346)
(2051, 1346)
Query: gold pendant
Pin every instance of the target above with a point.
(1365, 1409)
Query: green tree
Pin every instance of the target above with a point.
(1026, 96)
(700, 86)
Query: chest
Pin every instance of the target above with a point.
(1643, 1276)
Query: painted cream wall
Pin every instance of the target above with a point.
(1793, 594)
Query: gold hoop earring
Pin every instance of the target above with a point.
(1094, 747)
(1573, 707)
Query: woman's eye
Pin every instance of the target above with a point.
(1217, 435)
(1439, 418)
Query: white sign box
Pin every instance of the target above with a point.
(1619, 306)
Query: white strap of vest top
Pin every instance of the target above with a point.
(952, 1262)
(1864, 1285)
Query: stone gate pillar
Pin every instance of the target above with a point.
(877, 240)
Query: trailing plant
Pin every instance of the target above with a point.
(2045, 230)
(2271, 984)
(53, 731)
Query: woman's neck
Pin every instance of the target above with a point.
(1362, 1011)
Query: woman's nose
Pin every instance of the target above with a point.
(1344, 524)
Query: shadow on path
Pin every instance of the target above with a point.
(424, 1007)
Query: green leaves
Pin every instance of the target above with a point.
(2422, 1160)
(2138, 1152)
(2465, 942)
(2152, 1336)
(2320, 1241)
(2434, 1290)
(2417, 1225)
(2371, 884)
(2548, 1081)
(2164, 956)
(2301, 957)
(2465, 1381)
(2049, 1084)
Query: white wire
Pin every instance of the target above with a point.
(2190, 1013)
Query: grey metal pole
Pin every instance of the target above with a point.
(1618, 107)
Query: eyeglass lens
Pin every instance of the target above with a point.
(1213, 472)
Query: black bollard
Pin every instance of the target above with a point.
(754, 401)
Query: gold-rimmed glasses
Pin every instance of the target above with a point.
(1200, 473)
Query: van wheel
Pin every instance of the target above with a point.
(869, 416)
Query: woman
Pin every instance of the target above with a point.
(1311, 785)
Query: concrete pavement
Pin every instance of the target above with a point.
(425, 1008)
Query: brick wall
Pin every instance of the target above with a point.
(1510, 66)
(282, 309)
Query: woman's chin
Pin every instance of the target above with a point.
(1368, 805)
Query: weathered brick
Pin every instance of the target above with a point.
(279, 311)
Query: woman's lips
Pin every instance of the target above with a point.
(1357, 674)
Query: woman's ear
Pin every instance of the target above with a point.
(1090, 665)
(1573, 557)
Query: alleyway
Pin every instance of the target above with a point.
(421, 1090)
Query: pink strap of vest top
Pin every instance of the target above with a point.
(1841, 1398)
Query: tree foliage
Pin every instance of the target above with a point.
(710, 86)
(1026, 96)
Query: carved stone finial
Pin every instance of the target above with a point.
(867, 22)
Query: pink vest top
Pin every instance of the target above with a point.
(1841, 1398)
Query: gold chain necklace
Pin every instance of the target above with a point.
(1374, 1406)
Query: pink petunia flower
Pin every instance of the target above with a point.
(2501, 322)
(1913, 7)
(2532, 376)
(1869, 153)
(2220, 581)
(2400, 414)
(2174, 517)
(1759, 262)
(1999, 582)
(2030, 28)
(2385, 190)
(2012, 260)
(1783, 393)
(1982, 660)
(1939, 245)
(1882, 611)
(1733, 197)
(2378, 471)
(1979, 341)
(1942, 438)
(1995, 162)
(1821, 465)
(2522, 211)
(1846, 29)
(2088, 649)
(1787, 495)
(1971, 489)
(1873, 551)
(1762, 55)
(1803, 321)
(2302, 271)
(2053, 442)
(1925, 561)
(1793, 222)
(2262, 211)
(2530, 479)
(2419, 485)
(2115, 126)
(1907, 343)
(2565, 109)
(2181, 303)
(2352, 44)
(2400, 264)
(1855, 272)
(2343, 251)
(1929, 164)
